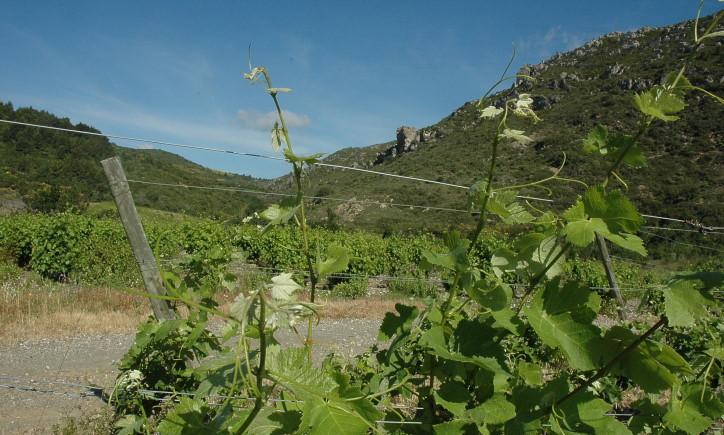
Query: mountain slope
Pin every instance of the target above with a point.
(51, 170)
(573, 92)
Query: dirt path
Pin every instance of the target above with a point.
(90, 360)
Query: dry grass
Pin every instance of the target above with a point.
(32, 308)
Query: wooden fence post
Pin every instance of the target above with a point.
(612, 281)
(137, 237)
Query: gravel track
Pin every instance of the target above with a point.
(92, 359)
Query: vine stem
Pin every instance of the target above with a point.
(261, 374)
(608, 367)
(298, 173)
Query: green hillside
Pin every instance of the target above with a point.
(573, 92)
(52, 170)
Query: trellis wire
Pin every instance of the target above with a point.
(701, 226)
(287, 195)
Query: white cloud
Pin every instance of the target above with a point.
(556, 37)
(265, 121)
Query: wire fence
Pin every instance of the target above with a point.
(80, 390)
(699, 226)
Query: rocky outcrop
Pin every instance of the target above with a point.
(408, 140)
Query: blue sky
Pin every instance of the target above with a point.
(173, 71)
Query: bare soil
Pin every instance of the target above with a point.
(33, 407)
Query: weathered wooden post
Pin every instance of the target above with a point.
(612, 281)
(137, 237)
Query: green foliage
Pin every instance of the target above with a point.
(479, 359)
(352, 289)
(417, 287)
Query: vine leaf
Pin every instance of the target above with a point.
(599, 142)
(686, 298)
(321, 417)
(690, 408)
(395, 325)
(271, 421)
(610, 215)
(277, 137)
(491, 294)
(455, 259)
(535, 253)
(563, 317)
(291, 368)
(653, 366)
(453, 396)
(531, 373)
(215, 375)
(506, 206)
(495, 410)
(188, 417)
(660, 102)
(476, 194)
(283, 286)
(456, 427)
(530, 401)
(585, 413)
(280, 213)
(471, 342)
(337, 260)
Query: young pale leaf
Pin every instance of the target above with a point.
(490, 112)
(278, 90)
(506, 205)
(514, 135)
(277, 137)
(304, 160)
(283, 286)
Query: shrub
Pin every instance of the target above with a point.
(352, 289)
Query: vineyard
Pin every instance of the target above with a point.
(515, 328)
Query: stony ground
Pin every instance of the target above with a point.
(34, 407)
